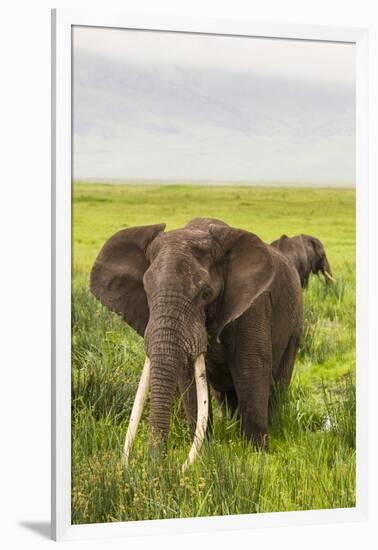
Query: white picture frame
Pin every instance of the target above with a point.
(62, 22)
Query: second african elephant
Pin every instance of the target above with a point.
(307, 254)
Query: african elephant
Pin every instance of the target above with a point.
(211, 290)
(307, 254)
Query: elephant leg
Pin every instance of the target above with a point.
(251, 371)
(283, 375)
(253, 398)
(188, 393)
(228, 402)
(285, 369)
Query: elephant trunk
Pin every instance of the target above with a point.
(166, 360)
(163, 385)
(160, 371)
(174, 338)
(172, 342)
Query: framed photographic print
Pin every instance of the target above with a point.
(209, 188)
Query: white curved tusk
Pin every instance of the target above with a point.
(202, 410)
(137, 409)
(329, 276)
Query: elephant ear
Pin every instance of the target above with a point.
(248, 272)
(116, 277)
(281, 243)
(314, 251)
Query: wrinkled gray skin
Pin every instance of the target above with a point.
(306, 253)
(207, 288)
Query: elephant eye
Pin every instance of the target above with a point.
(206, 293)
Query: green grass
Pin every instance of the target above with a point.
(311, 463)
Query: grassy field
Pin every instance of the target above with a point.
(311, 463)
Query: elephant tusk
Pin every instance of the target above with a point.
(137, 409)
(202, 410)
(329, 276)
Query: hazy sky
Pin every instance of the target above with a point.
(175, 106)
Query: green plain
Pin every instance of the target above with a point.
(311, 462)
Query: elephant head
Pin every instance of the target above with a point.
(176, 289)
(318, 262)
